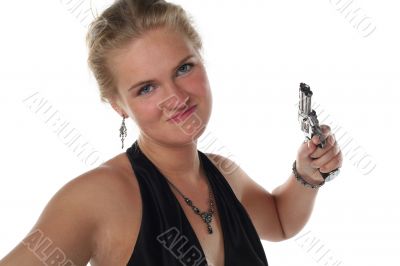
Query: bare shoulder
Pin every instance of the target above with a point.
(82, 218)
(240, 181)
(258, 202)
(120, 216)
(104, 189)
(231, 171)
(242, 184)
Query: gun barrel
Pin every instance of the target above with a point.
(305, 95)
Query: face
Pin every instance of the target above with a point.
(155, 74)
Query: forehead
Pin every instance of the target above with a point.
(148, 56)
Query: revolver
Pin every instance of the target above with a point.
(309, 123)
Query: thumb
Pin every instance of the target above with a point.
(312, 144)
(307, 148)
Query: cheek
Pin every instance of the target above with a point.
(146, 112)
(199, 84)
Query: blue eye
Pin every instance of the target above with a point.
(148, 88)
(144, 90)
(185, 67)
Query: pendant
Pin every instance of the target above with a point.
(210, 231)
(207, 218)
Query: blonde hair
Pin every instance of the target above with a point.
(125, 21)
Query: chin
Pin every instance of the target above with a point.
(182, 136)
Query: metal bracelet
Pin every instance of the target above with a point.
(302, 181)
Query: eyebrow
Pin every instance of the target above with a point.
(152, 80)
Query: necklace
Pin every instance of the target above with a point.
(206, 216)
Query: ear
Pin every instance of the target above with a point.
(118, 109)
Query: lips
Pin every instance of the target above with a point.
(182, 115)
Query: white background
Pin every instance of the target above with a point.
(257, 52)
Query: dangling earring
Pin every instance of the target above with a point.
(122, 131)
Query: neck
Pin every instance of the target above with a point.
(177, 163)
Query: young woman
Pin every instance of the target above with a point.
(163, 202)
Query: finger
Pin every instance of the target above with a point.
(334, 163)
(326, 157)
(329, 144)
(306, 149)
(310, 147)
(326, 131)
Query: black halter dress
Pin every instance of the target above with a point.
(166, 237)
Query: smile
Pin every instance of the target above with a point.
(182, 116)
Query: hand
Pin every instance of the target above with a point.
(311, 159)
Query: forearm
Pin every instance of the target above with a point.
(294, 204)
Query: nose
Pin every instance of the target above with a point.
(177, 91)
(175, 99)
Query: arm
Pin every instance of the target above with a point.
(63, 232)
(294, 204)
(283, 213)
(294, 201)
